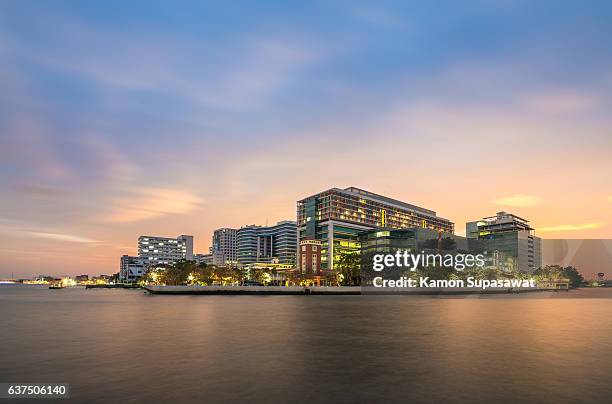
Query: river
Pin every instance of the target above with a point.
(128, 346)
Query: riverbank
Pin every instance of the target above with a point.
(328, 290)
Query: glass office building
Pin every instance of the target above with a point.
(337, 216)
(509, 239)
(266, 244)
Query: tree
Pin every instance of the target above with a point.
(573, 275)
(348, 264)
(436, 273)
(555, 272)
(178, 274)
(548, 273)
(430, 244)
(447, 243)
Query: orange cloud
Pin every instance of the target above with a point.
(59, 237)
(571, 227)
(519, 200)
(149, 203)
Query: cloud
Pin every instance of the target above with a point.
(234, 75)
(519, 200)
(571, 227)
(29, 145)
(59, 237)
(149, 203)
(37, 190)
(562, 102)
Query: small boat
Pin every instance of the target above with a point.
(56, 287)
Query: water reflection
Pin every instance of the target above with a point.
(129, 346)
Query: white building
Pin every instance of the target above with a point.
(204, 259)
(163, 250)
(224, 247)
(131, 268)
(511, 240)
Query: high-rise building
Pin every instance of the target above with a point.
(163, 250)
(223, 247)
(247, 241)
(509, 239)
(337, 216)
(267, 243)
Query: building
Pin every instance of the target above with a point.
(204, 259)
(81, 278)
(310, 258)
(509, 239)
(247, 244)
(337, 216)
(415, 241)
(163, 250)
(276, 243)
(132, 268)
(386, 240)
(223, 248)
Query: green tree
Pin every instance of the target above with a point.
(447, 243)
(573, 275)
(430, 244)
(348, 265)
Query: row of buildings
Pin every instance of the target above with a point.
(343, 221)
(249, 245)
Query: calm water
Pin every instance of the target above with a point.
(127, 346)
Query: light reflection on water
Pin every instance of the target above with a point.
(125, 345)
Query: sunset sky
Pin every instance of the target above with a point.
(169, 118)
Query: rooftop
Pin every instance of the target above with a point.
(354, 191)
(503, 215)
(384, 199)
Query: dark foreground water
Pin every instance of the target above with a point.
(128, 346)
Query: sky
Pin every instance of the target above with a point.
(164, 118)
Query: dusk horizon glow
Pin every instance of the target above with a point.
(120, 120)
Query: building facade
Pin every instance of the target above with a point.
(203, 259)
(509, 239)
(131, 268)
(163, 250)
(223, 248)
(336, 217)
(257, 244)
(310, 257)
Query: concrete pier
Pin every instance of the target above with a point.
(226, 290)
(326, 290)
